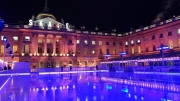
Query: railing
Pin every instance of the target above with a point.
(165, 69)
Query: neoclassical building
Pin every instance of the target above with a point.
(48, 43)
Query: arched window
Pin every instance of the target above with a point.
(41, 64)
(86, 63)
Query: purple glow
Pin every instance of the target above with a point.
(123, 53)
(163, 48)
(5, 82)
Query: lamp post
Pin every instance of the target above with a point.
(161, 48)
(7, 45)
(1, 28)
(121, 54)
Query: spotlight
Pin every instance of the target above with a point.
(4, 39)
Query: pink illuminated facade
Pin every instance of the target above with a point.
(47, 43)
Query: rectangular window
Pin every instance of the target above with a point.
(14, 48)
(153, 37)
(78, 41)
(169, 33)
(100, 42)
(120, 43)
(48, 40)
(107, 43)
(114, 43)
(161, 36)
(139, 49)
(93, 42)
(178, 31)
(100, 51)
(85, 42)
(107, 51)
(57, 50)
(154, 48)
(78, 51)
(27, 38)
(132, 50)
(2, 48)
(39, 49)
(48, 50)
(15, 38)
(114, 52)
(39, 40)
(26, 48)
(147, 49)
(85, 51)
(2, 37)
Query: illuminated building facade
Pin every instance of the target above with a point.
(47, 43)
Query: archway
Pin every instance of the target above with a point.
(86, 63)
(70, 63)
(41, 64)
(49, 64)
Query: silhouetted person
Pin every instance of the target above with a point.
(70, 68)
(9, 67)
(61, 68)
(5, 68)
(96, 67)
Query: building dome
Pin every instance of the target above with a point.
(45, 15)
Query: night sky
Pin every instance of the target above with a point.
(106, 14)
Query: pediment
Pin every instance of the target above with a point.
(47, 20)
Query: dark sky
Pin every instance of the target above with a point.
(106, 14)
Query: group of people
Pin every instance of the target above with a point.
(62, 67)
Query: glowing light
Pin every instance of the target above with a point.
(40, 23)
(49, 24)
(73, 86)
(5, 82)
(30, 22)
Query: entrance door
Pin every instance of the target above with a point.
(49, 64)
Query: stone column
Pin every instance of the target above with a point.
(45, 44)
(62, 45)
(54, 44)
(21, 44)
(36, 44)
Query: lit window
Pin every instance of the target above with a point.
(15, 49)
(114, 52)
(93, 52)
(126, 43)
(2, 37)
(178, 31)
(39, 40)
(78, 41)
(15, 38)
(48, 40)
(85, 41)
(93, 42)
(2, 48)
(100, 42)
(132, 42)
(27, 38)
(138, 41)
